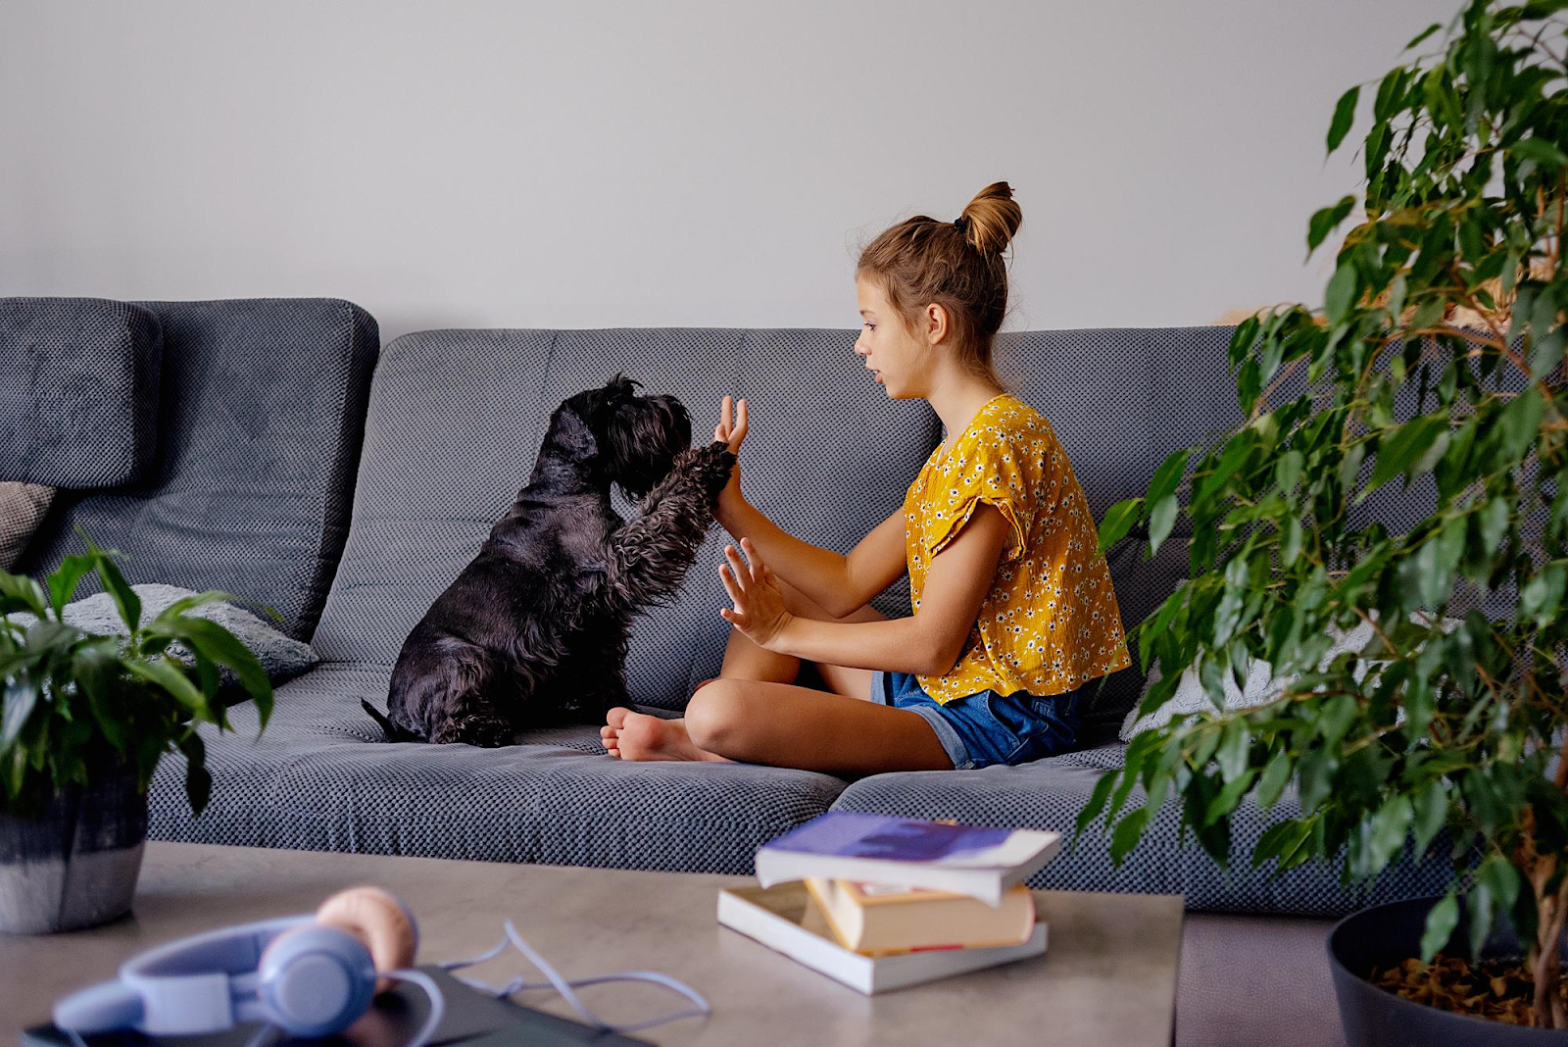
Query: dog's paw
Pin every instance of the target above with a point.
(711, 467)
(489, 732)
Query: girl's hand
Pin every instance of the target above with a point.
(730, 498)
(759, 604)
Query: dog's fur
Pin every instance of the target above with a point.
(534, 630)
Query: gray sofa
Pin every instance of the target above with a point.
(451, 424)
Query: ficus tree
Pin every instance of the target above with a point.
(1436, 363)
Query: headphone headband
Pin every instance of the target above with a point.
(183, 986)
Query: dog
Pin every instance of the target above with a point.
(534, 631)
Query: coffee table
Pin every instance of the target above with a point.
(1108, 975)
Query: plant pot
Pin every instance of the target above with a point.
(1374, 1017)
(75, 864)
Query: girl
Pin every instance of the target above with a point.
(1013, 610)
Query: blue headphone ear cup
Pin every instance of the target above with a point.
(314, 981)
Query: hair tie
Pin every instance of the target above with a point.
(961, 224)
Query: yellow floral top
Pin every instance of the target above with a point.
(1050, 622)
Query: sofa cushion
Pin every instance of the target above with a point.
(455, 423)
(318, 778)
(1048, 794)
(259, 420)
(78, 391)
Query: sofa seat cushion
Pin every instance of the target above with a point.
(1049, 793)
(320, 778)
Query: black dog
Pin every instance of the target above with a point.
(534, 631)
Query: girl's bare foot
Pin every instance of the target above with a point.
(638, 736)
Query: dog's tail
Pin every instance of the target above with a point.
(393, 732)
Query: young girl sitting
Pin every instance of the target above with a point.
(1013, 610)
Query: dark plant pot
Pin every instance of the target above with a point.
(75, 864)
(1373, 1017)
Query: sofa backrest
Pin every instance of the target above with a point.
(455, 424)
(260, 412)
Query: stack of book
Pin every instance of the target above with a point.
(880, 903)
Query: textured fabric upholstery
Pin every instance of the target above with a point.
(78, 391)
(316, 779)
(261, 408)
(455, 421)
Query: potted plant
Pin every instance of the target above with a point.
(84, 722)
(1441, 731)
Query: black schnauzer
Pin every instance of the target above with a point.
(534, 630)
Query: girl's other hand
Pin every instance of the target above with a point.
(732, 431)
(759, 610)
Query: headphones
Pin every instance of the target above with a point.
(307, 975)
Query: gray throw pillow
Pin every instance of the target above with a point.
(282, 657)
(22, 509)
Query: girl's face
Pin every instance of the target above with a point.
(897, 361)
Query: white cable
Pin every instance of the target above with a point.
(564, 987)
(437, 1004)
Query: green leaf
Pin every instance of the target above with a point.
(125, 598)
(62, 583)
(1398, 453)
(1118, 520)
(1344, 114)
(1168, 475)
(28, 592)
(1290, 541)
(97, 668)
(1324, 221)
(1540, 150)
(1275, 776)
(1127, 833)
(1096, 803)
(167, 674)
(1428, 31)
(217, 643)
(1440, 923)
(1161, 519)
(1341, 292)
(21, 696)
(1431, 812)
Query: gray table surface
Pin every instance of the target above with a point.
(1108, 975)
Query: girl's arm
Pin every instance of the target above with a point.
(929, 642)
(839, 584)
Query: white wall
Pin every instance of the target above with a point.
(595, 164)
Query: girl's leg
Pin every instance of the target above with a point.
(786, 726)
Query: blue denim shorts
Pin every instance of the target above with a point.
(984, 728)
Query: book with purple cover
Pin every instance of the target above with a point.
(978, 861)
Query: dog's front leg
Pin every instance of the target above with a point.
(649, 555)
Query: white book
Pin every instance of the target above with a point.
(981, 862)
(785, 919)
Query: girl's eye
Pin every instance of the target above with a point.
(872, 326)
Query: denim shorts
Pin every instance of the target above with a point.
(984, 728)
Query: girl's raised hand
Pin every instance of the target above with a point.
(759, 610)
(732, 433)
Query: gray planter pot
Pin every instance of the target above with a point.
(75, 864)
(1373, 1017)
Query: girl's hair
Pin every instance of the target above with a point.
(921, 261)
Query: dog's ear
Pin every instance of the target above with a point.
(574, 436)
(620, 388)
